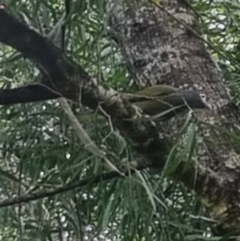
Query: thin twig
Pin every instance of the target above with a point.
(84, 137)
(127, 170)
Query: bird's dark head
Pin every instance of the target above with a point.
(195, 100)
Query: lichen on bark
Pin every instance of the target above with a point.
(163, 45)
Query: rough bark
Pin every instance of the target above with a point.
(161, 45)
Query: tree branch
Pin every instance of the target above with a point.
(31, 44)
(127, 170)
(71, 81)
(26, 94)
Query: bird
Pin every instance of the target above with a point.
(166, 101)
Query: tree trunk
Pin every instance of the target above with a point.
(162, 45)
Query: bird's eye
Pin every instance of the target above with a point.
(204, 100)
(203, 96)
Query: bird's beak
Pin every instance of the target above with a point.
(207, 104)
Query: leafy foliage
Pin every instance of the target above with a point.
(39, 150)
(220, 22)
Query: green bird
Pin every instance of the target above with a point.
(166, 101)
